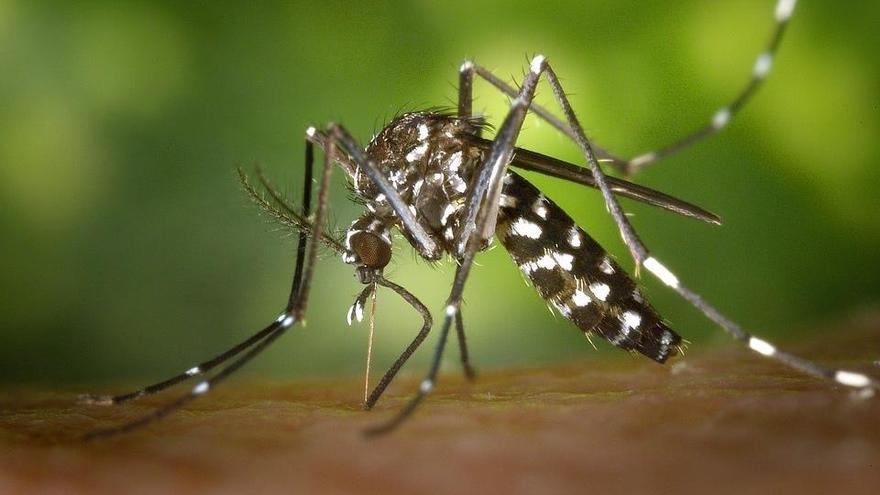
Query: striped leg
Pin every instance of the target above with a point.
(643, 258)
(405, 355)
(291, 218)
(469, 371)
(294, 313)
(638, 250)
(427, 323)
(718, 121)
(426, 243)
(762, 347)
(206, 366)
(481, 213)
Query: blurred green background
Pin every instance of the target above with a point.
(129, 251)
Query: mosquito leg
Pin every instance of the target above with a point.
(201, 368)
(643, 258)
(277, 329)
(487, 185)
(296, 307)
(417, 341)
(763, 64)
(478, 221)
(357, 161)
(844, 377)
(630, 238)
(357, 308)
(427, 322)
(425, 388)
(212, 363)
(466, 89)
(427, 245)
(469, 372)
(469, 69)
(306, 209)
(465, 94)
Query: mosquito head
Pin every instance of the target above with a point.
(373, 254)
(368, 247)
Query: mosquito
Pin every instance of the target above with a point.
(449, 191)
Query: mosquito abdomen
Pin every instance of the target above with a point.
(572, 272)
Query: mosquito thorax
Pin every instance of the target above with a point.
(429, 159)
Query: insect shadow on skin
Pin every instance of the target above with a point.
(449, 191)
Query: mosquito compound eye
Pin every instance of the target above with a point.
(373, 251)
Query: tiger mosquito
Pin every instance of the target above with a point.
(433, 177)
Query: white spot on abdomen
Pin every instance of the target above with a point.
(540, 208)
(524, 228)
(631, 319)
(580, 298)
(564, 260)
(563, 309)
(600, 290)
(574, 237)
(547, 262)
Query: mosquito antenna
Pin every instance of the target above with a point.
(281, 210)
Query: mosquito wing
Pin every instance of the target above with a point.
(547, 165)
